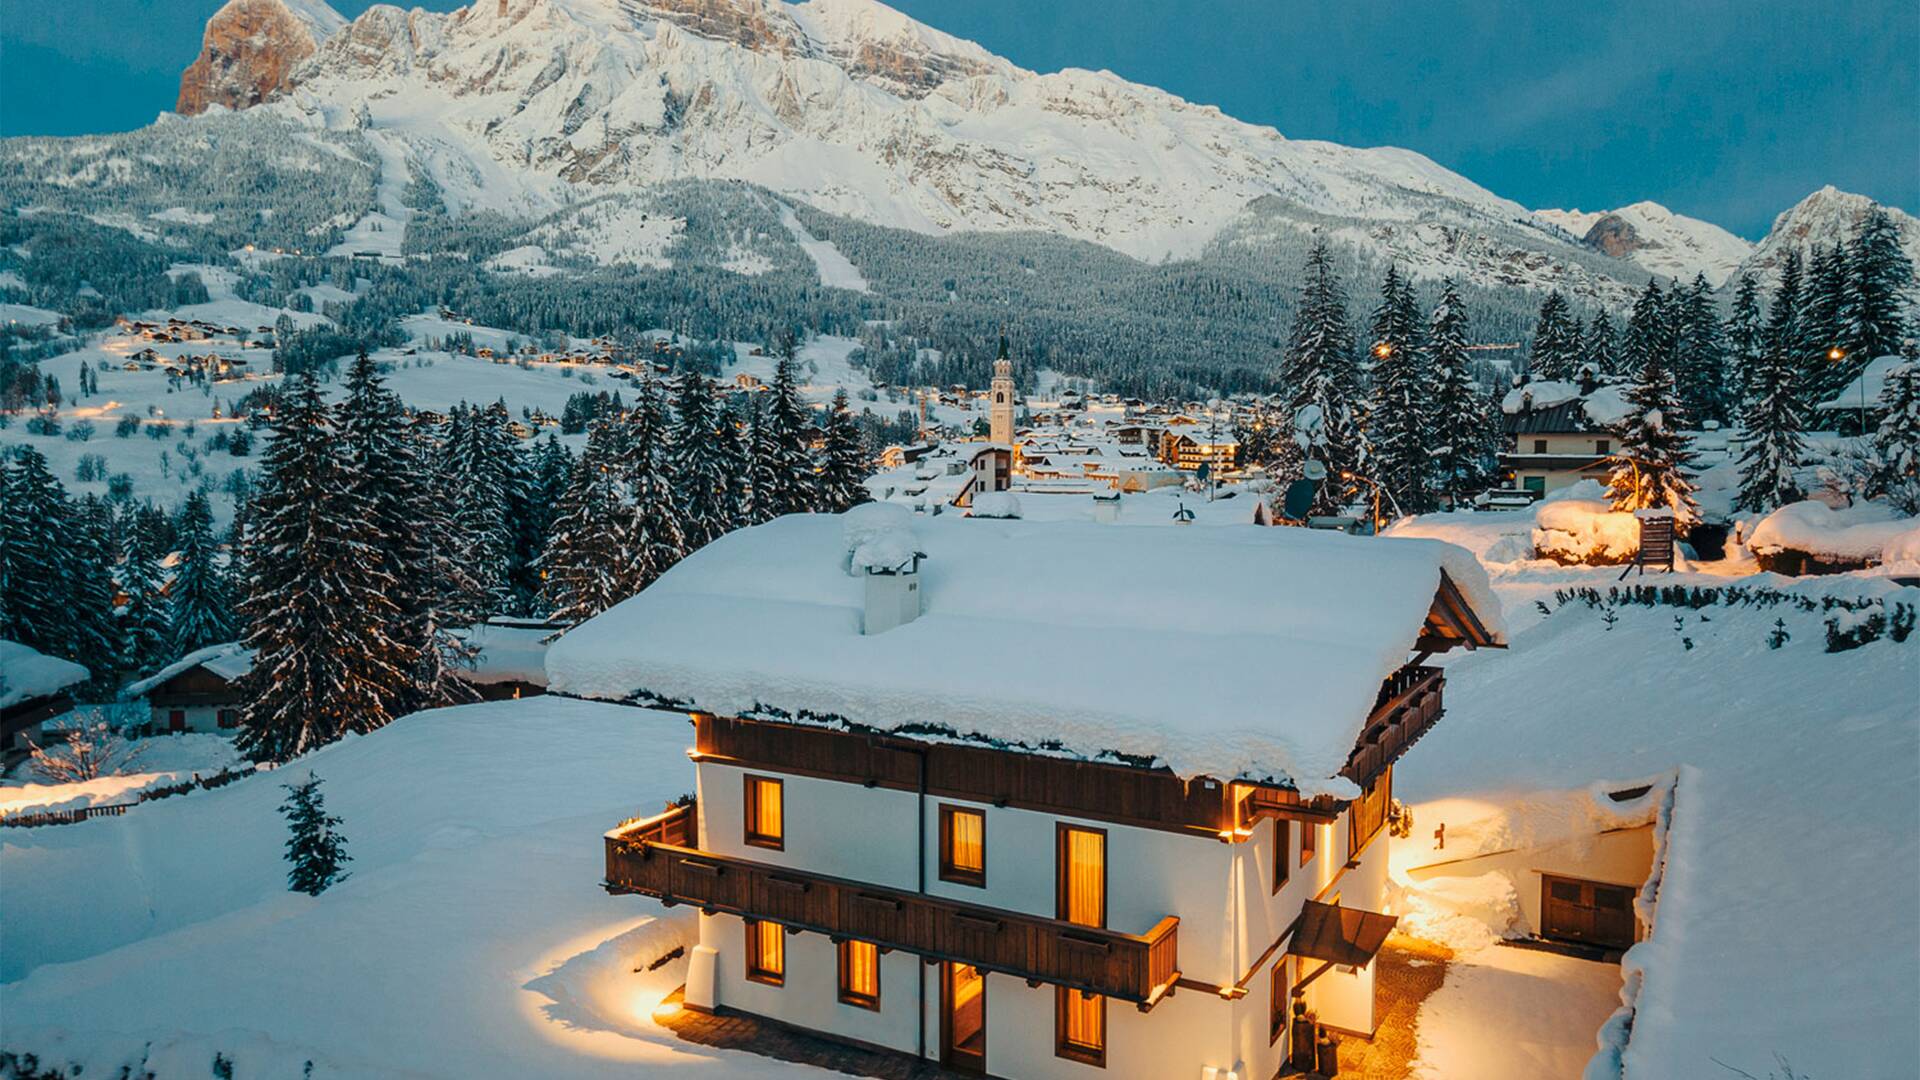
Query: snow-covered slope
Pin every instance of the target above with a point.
(852, 107)
(1657, 239)
(1826, 217)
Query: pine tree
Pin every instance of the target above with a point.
(36, 569)
(762, 486)
(93, 626)
(1400, 414)
(1650, 462)
(317, 599)
(653, 538)
(477, 468)
(199, 612)
(145, 629)
(698, 465)
(1783, 333)
(1601, 349)
(1323, 382)
(1773, 424)
(793, 486)
(1824, 356)
(1746, 337)
(1464, 434)
(1873, 316)
(1556, 341)
(1897, 442)
(1702, 354)
(315, 848)
(843, 460)
(585, 547)
(1645, 339)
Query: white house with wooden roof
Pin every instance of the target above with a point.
(1140, 855)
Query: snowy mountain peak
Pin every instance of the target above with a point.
(1656, 238)
(1826, 217)
(250, 50)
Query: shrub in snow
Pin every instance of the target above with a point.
(1809, 537)
(87, 753)
(995, 504)
(81, 431)
(1585, 532)
(314, 850)
(1779, 635)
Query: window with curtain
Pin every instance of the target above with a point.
(1080, 1026)
(766, 817)
(766, 953)
(860, 974)
(1083, 876)
(963, 845)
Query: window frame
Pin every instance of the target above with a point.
(960, 875)
(1282, 853)
(750, 815)
(1539, 446)
(1060, 867)
(757, 969)
(1603, 446)
(848, 995)
(1084, 1053)
(1309, 839)
(1279, 988)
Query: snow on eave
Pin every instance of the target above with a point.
(1221, 651)
(229, 660)
(26, 673)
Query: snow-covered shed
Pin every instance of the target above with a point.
(34, 688)
(201, 691)
(1224, 651)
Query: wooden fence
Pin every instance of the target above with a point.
(79, 814)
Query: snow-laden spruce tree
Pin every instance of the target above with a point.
(317, 602)
(1897, 442)
(35, 567)
(792, 485)
(760, 500)
(1701, 356)
(315, 848)
(1556, 340)
(1465, 433)
(1324, 395)
(1746, 338)
(1783, 333)
(1400, 414)
(1873, 313)
(1775, 445)
(1648, 332)
(584, 549)
(843, 459)
(93, 625)
(1650, 461)
(699, 463)
(143, 621)
(477, 466)
(1823, 297)
(653, 537)
(1600, 349)
(199, 612)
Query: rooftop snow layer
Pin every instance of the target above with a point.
(229, 661)
(27, 673)
(507, 653)
(1227, 651)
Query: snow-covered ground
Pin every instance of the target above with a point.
(1514, 1014)
(163, 760)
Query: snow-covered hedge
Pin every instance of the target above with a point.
(1585, 531)
(1811, 537)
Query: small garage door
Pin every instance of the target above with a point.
(1589, 912)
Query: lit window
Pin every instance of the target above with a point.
(766, 953)
(1083, 876)
(860, 974)
(766, 818)
(1080, 1026)
(963, 845)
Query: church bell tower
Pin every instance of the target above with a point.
(1000, 413)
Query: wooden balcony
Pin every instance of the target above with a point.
(1409, 705)
(655, 858)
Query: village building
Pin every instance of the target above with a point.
(1189, 449)
(34, 688)
(1559, 433)
(201, 691)
(915, 831)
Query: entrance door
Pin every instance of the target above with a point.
(1589, 912)
(177, 720)
(963, 1018)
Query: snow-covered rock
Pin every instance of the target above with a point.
(250, 51)
(1657, 239)
(1826, 217)
(1861, 533)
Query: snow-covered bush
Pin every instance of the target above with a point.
(1585, 531)
(88, 752)
(1810, 537)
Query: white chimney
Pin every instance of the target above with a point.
(893, 597)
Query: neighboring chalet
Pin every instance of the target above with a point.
(1559, 434)
(1036, 799)
(201, 691)
(34, 688)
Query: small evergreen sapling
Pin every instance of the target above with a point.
(314, 849)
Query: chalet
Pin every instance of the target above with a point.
(1559, 434)
(914, 830)
(201, 691)
(34, 688)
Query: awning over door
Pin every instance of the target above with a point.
(1339, 935)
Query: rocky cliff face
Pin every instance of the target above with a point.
(1826, 217)
(250, 51)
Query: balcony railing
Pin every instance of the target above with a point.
(1140, 968)
(1409, 704)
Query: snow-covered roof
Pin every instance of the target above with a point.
(230, 661)
(507, 653)
(1229, 651)
(26, 673)
(1866, 388)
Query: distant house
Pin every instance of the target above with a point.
(201, 691)
(34, 688)
(1558, 434)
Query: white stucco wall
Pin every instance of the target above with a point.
(199, 717)
(1621, 857)
(810, 996)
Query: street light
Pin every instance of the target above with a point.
(1383, 350)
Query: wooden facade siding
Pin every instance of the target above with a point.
(1410, 707)
(1139, 968)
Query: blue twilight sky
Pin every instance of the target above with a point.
(1729, 110)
